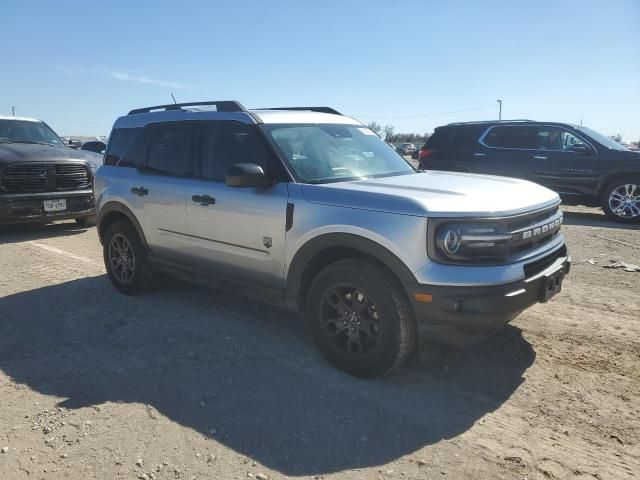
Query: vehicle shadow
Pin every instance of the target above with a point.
(24, 232)
(246, 374)
(594, 219)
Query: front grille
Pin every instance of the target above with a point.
(71, 177)
(46, 177)
(533, 230)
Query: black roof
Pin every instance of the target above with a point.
(518, 121)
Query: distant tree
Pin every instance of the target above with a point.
(388, 132)
(375, 127)
(616, 138)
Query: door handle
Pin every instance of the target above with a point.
(539, 157)
(140, 191)
(477, 154)
(203, 200)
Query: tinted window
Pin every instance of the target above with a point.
(168, 150)
(512, 137)
(452, 138)
(119, 142)
(224, 144)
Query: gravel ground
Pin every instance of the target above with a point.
(187, 382)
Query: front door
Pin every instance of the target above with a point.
(236, 233)
(564, 162)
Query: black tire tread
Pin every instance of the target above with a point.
(407, 331)
(143, 275)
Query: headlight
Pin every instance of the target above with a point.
(473, 241)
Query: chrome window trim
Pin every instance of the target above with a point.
(580, 136)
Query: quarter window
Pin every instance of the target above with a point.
(224, 144)
(168, 150)
(519, 137)
(119, 141)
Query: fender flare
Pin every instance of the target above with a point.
(116, 207)
(327, 241)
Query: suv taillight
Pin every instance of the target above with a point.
(423, 158)
(424, 153)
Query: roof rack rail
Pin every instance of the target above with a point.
(310, 109)
(221, 106)
(492, 121)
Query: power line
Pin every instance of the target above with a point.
(428, 114)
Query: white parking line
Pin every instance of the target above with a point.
(64, 253)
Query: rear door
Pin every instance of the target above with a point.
(509, 150)
(161, 187)
(454, 148)
(236, 233)
(561, 164)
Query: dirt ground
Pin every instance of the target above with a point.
(187, 382)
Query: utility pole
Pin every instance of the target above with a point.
(13, 111)
(499, 109)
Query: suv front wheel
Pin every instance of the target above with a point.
(359, 317)
(620, 199)
(126, 259)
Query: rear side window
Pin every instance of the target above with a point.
(168, 148)
(453, 138)
(119, 141)
(223, 144)
(519, 137)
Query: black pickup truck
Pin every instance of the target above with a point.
(582, 165)
(42, 179)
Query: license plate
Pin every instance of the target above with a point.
(55, 205)
(552, 285)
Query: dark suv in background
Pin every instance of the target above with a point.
(583, 166)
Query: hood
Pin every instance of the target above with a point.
(31, 152)
(434, 193)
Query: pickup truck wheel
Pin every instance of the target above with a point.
(126, 259)
(360, 319)
(620, 199)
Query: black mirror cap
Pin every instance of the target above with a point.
(246, 175)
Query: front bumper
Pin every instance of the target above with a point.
(21, 208)
(460, 316)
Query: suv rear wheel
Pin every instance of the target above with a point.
(360, 319)
(620, 199)
(126, 259)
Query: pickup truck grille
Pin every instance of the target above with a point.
(46, 177)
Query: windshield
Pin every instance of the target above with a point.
(602, 140)
(333, 153)
(25, 131)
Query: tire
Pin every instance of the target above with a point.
(375, 333)
(138, 276)
(86, 221)
(621, 193)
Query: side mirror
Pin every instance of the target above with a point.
(246, 175)
(580, 148)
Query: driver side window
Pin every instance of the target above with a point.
(556, 139)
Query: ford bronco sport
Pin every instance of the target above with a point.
(306, 208)
(42, 179)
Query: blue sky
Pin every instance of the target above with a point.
(78, 65)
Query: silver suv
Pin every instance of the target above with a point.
(306, 208)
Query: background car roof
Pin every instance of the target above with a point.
(24, 119)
